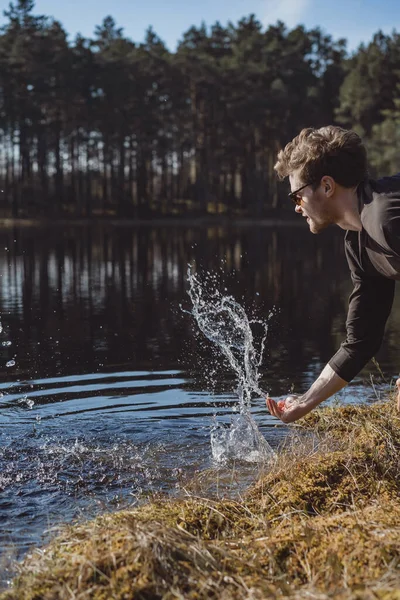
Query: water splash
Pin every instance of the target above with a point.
(225, 323)
(26, 402)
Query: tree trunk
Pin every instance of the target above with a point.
(58, 180)
(42, 167)
(88, 186)
(122, 205)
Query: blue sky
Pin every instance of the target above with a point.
(356, 20)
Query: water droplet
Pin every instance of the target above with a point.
(6, 344)
(10, 363)
(27, 401)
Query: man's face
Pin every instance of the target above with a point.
(314, 205)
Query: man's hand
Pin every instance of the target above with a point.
(288, 410)
(295, 407)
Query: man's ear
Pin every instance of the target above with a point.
(328, 185)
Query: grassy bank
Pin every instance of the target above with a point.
(323, 523)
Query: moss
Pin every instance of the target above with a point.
(324, 522)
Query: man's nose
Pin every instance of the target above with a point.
(298, 208)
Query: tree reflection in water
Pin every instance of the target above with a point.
(78, 299)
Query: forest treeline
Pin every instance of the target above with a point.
(107, 126)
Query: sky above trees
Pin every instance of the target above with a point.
(355, 20)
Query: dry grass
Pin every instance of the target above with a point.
(324, 522)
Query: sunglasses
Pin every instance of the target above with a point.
(295, 197)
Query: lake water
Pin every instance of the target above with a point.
(114, 390)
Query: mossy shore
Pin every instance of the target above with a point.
(324, 522)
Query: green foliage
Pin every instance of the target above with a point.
(110, 126)
(384, 144)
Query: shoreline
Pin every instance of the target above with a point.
(322, 522)
(167, 222)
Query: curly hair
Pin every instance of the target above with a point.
(339, 153)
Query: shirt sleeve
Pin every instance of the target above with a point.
(370, 304)
(391, 228)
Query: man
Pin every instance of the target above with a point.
(327, 170)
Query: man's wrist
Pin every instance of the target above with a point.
(311, 398)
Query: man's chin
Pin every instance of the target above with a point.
(316, 227)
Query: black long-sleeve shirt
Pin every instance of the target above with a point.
(373, 255)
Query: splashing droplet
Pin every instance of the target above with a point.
(225, 323)
(27, 402)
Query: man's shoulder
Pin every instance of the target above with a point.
(386, 186)
(380, 215)
(381, 198)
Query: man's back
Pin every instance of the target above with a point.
(377, 246)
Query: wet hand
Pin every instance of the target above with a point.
(288, 410)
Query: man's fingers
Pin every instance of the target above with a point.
(271, 405)
(273, 408)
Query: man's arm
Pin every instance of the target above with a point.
(370, 304)
(327, 384)
(369, 307)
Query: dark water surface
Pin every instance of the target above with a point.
(113, 391)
